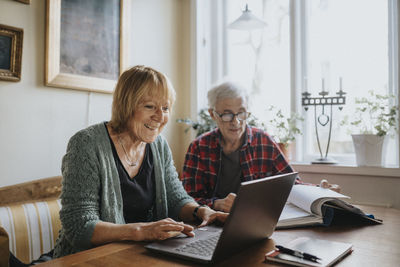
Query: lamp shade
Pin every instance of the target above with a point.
(247, 21)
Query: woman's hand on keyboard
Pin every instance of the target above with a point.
(161, 230)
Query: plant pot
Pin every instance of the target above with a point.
(369, 149)
(285, 149)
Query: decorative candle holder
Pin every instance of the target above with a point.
(323, 119)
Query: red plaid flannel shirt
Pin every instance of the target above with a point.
(259, 157)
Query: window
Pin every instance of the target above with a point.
(313, 44)
(346, 40)
(260, 59)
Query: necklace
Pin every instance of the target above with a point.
(127, 158)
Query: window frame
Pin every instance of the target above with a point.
(299, 22)
(216, 69)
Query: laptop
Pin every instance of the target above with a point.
(253, 217)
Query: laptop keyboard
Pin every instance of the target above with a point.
(203, 247)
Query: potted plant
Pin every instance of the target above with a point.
(373, 119)
(205, 123)
(283, 129)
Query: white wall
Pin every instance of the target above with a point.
(36, 121)
(161, 39)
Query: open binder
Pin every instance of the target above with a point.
(311, 205)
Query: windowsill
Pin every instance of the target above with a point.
(346, 169)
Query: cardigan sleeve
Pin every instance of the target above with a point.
(176, 194)
(80, 194)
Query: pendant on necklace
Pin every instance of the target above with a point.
(127, 159)
(132, 164)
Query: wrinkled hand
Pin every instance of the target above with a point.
(225, 204)
(163, 229)
(325, 184)
(209, 216)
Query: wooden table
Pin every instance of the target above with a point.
(374, 245)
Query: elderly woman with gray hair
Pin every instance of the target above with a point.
(218, 161)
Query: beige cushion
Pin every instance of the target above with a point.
(32, 227)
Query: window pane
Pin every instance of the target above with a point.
(347, 39)
(260, 59)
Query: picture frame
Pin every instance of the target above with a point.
(86, 50)
(11, 39)
(26, 2)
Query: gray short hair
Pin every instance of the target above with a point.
(226, 90)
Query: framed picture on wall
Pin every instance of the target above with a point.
(24, 1)
(10, 53)
(86, 43)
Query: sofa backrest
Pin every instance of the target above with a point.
(32, 227)
(36, 190)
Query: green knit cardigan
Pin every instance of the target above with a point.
(91, 189)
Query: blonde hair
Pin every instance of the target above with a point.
(133, 85)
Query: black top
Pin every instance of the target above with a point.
(230, 175)
(138, 193)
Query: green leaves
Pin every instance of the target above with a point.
(284, 129)
(205, 123)
(373, 115)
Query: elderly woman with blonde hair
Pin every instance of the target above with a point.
(119, 179)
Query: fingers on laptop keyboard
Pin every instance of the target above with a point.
(173, 233)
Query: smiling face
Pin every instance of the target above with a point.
(234, 130)
(135, 87)
(149, 119)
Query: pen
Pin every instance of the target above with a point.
(298, 254)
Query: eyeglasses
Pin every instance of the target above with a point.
(228, 117)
